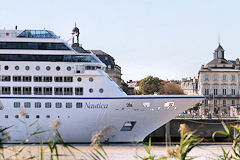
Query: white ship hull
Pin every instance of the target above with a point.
(78, 125)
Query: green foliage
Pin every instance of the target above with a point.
(150, 85)
(234, 152)
(149, 155)
(171, 89)
(188, 141)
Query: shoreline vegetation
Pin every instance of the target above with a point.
(56, 149)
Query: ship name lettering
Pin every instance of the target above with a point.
(96, 106)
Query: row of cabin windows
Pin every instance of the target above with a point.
(48, 105)
(42, 90)
(40, 79)
(27, 116)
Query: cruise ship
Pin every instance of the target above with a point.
(43, 80)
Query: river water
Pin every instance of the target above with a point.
(114, 152)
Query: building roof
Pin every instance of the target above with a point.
(219, 48)
(219, 61)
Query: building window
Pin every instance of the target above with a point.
(90, 79)
(79, 105)
(224, 91)
(206, 77)
(215, 77)
(100, 90)
(16, 104)
(233, 102)
(6, 78)
(68, 91)
(27, 90)
(79, 79)
(206, 102)
(68, 105)
(58, 91)
(47, 79)
(224, 102)
(206, 92)
(37, 105)
(38, 90)
(16, 116)
(224, 77)
(27, 68)
(233, 78)
(27, 105)
(68, 79)
(69, 68)
(47, 90)
(37, 68)
(215, 102)
(37, 116)
(58, 79)
(58, 105)
(48, 105)
(17, 78)
(79, 91)
(6, 116)
(27, 116)
(47, 116)
(233, 91)
(6, 90)
(6, 67)
(58, 68)
(27, 78)
(17, 90)
(215, 91)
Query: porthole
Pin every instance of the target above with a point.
(48, 68)
(69, 68)
(90, 90)
(101, 90)
(37, 68)
(6, 67)
(79, 79)
(27, 68)
(16, 67)
(57, 68)
(90, 79)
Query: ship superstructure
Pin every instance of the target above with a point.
(42, 76)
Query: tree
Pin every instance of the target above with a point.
(150, 85)
(171, 88)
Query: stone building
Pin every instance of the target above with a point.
(189, 86)
(219, 81)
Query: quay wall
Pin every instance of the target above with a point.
(203, 127)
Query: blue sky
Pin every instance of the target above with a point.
(170, 39)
